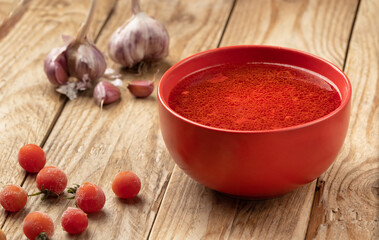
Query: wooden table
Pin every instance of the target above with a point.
(93, 145)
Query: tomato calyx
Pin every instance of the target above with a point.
(72, 190)
(42, 236)
(46, 193)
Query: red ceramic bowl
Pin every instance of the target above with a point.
(254, 164)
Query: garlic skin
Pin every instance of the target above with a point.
(140, 88)
(85, 62)
(105, 93)
(81, 61)
(140, 38)
(76, 65)
(55, 66)
(69, 89)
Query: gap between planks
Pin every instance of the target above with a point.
(165, 186)
(227, 22)
(319, 187)
(160, 197)
(17, 10)
(55, 119)
(271, 39)
(351, 35)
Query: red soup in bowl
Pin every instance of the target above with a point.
(254, 121)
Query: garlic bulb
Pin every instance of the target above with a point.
(140, 38)
(86, 63)
(77, 64)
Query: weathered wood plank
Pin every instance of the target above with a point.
(6, 7)
(347, 201)
(93, 145)
(29, 104)
(191, 211)
(12, 15)
(318, 27)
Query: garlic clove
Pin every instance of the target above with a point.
(140, 38)
(105, 93)
(141, 89)
(55, 66)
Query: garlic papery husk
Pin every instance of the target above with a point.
(55, 66)
(69, 89)
(140, 38)
(105, 93)
(85, 62)
(110, 73)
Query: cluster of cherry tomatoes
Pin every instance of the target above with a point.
(52, 181)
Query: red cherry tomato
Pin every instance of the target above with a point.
(13, 198)
(37, 223)
(31, 158)
(74, 221)
(90, 197)
(126, 185)
(52, 179)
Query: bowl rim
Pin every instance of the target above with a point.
(344, 101)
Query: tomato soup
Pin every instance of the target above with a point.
(256, 96)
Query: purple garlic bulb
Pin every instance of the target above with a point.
(85, 62)
(79, 59)
(140, 38)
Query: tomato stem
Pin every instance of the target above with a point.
(73, 189)
(42, 236)
(46, 193)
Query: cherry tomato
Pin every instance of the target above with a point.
(31, 158)
(13, 198)
(74, 221)
(126, 185)
(36, 223)
(2, 235)
(53, 180)
(90, 197)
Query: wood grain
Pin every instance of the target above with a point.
(6, 7)
(29, 104)
(318, 27)
(191, 211)
(347, 200)
(94, 145)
